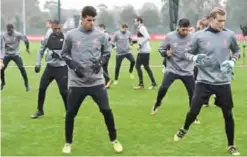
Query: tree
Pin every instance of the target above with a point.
(236, 14)
(150, 14)
(52, 7)
(127, 15)
(195, 9)
(105, 16)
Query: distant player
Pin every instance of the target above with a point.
(108, 80)
(143, 55)
(10, 46)
(122, 40)
(214, 73)
(178, 67)
(56, 68)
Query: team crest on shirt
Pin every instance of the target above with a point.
(78, 44)
(96, 43)
(225, 43)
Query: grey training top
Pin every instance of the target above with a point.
(122, 41)
(217, 47)
(84, 47)
(11, 43)
(177, 63)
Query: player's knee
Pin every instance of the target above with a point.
(42, 90)
(106, 112)
(228, 114)
(138, 67)
(22, 69)
(133, 62)
(63, 92)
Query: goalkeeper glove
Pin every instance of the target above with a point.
(37, 68)
(75, 66)
(227, 66)
(199, 59)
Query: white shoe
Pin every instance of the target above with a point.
(67, 148)
(132, 76)
(117, 146)
(197, 121)
(115, 82)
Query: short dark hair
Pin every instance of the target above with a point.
(124, 26)
(102, 25)
(56, 22)
(10, 26)
(88, 11)
(184, 22)
(139, 19)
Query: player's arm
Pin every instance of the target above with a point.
(105, 50)
(144, 32)
(192, 48)
(24, 38)
(2, 51)
(40, 55)
(66, 56)
(41, 52)
(115, 38)
(235, 49)
(164, 47)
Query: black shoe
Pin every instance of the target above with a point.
(2, 86)
(27, 88)
(37, 114)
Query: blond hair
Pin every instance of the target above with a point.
(217, 11)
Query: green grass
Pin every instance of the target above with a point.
(140, 133)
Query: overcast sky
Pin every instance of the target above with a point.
(78, 4)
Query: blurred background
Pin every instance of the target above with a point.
(29, 16)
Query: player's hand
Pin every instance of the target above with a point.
(227, 66)
(200, 59)
(28, 51)
(79, 72)
(37, 68)
(139, 47)
(1, 64)
(96, 68)
(169, 53)
(55, 55)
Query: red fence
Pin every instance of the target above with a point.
(153, 37)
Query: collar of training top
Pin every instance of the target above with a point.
(213, 30)
(83, 30)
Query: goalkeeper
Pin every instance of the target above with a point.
(214, 73)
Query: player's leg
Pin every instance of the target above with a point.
(168, 79)
(76, 95)
(189, 84)
(119, 59)
(139, 63)
(149, 71)
(18, 61)
(131, 59)
(61, 78)
(206, 102)
(201, 92)
(46, 79)
(106, 73)
(100, 96)
(224, 100)
(6, 61)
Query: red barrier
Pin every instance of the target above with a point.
(153, 37)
